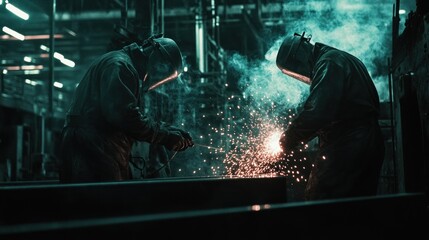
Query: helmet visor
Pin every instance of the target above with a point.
(297, 76)
(160, 71)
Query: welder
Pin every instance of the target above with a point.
(342, 111)
(105, 116)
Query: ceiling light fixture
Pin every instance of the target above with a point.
(13, 33)
(58, 85)
(60, 57)
(18, 12)
(27, 59)
(68, 62)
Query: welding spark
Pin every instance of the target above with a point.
(251, 145)
(272, 144)
(246, 144)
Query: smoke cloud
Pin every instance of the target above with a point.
(265, 92)
(360, 29)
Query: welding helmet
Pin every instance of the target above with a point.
(164, 62)
(293, 57)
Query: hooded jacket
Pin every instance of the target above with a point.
(341, 92)
(342, 110)
(104, 118)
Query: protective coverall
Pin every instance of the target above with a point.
(342, 111)
(104, 120)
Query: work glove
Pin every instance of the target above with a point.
(184, 134)
(177, 139)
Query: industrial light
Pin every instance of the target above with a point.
(13, 33)
(42, 36)
(24, 67)
(13, 68)
(28, 81)
(59, 56)
(44, 48)
(68, 62)
(27, 59)
(402, 11)
(58, 85)
(31, 72)
(4, 71)
(185, 69)
(18, 12)
(31, 67)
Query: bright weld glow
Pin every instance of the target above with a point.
(402, 11)
(13, 33)
(272, 144)
(18, 12)
(297, 76)
(169, 78)
(253, 145)
(248, 147)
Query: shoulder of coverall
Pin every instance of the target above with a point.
(320, 50)
(324, 53)
(137, 57)
(118, 58)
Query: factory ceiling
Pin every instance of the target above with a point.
(85, 29)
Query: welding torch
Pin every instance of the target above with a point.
(207, 146)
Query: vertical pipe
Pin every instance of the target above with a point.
(50, 112)
(152, 17)
(51, 56)
(399, 161)
(2, 81)
(215, 23)
(217, 30)
(213, 17)
(124, 14)
(395, 25)
(42, 134)
(162, 16)
(258, 9)
(392, 125)
(200, 39)
(143, 19)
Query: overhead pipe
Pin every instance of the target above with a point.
(124, 14)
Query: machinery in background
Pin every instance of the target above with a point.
(410, 79)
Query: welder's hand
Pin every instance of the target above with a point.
(175, 141)
(185, 134)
